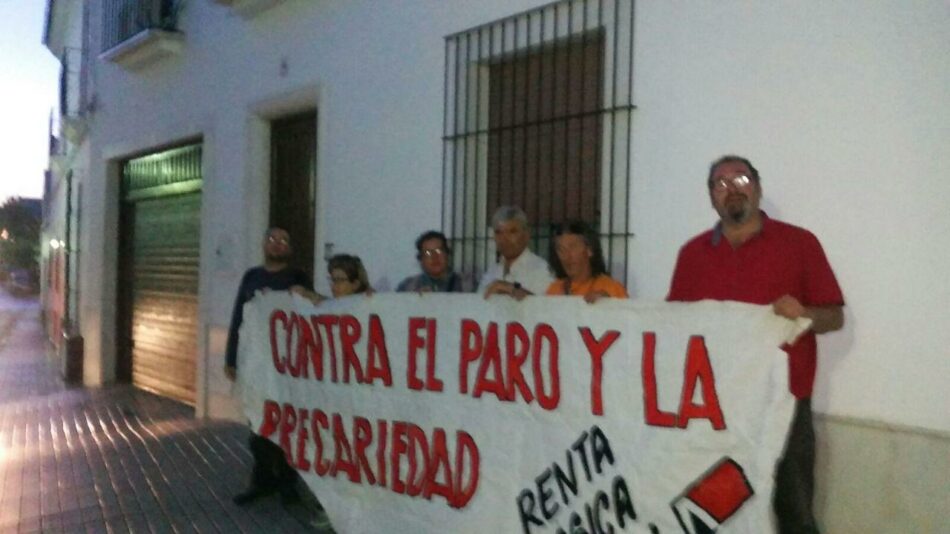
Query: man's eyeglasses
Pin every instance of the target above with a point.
(737, 182)
(434, 252)
(275, 239)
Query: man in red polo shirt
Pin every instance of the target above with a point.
(748, 257)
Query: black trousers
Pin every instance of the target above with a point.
(271, 471)
(795, 476)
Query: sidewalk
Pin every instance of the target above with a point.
(116, 459)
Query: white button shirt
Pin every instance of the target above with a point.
(528, 269)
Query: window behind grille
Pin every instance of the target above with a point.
(544, 131)
(538, 110)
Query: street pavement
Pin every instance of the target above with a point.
(117, 459)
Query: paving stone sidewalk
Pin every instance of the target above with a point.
(116, 459)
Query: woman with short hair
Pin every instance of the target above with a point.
(347, 276)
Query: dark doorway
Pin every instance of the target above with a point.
(293, 173)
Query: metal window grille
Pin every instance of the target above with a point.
(538, 114)
(123, 19)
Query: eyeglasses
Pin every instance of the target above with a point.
(337, 280)
(281, 240)
(433, 252)
(738, 182)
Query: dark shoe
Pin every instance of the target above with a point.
(252, 494)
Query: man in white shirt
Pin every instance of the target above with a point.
(519, 272)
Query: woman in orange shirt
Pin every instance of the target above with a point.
(578, 263)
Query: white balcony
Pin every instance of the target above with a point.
(145, 48)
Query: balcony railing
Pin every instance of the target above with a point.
(124, 19)
(59, 145)
(72, 86)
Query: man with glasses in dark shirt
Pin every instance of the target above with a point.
(271, 472)
(435, 258)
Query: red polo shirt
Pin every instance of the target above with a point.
(781, 259)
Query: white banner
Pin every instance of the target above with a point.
(450, 413)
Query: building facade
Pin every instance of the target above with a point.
(66, 37)
(360, 124)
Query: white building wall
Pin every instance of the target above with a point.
(841, 106)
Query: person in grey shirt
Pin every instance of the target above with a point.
(519, 272)
(435, 259)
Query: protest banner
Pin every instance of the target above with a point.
(452, 413)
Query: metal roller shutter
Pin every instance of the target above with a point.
(161, 228)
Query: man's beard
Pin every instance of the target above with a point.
(738, 211)
(278, 258)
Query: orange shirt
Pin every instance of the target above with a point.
(603, 283)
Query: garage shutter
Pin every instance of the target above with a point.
(161, 227)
